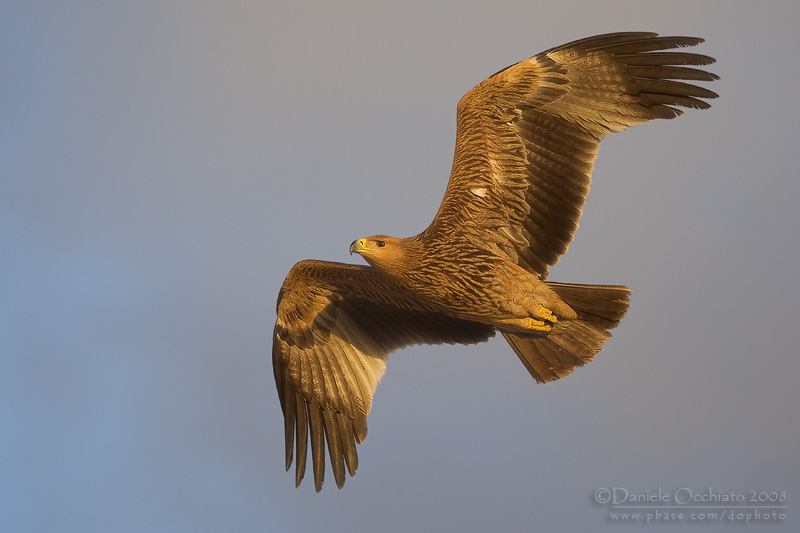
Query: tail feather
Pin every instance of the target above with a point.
(572, 343)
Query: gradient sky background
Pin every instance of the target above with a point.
(165, 163)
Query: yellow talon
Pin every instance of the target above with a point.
(546, 314)
(538, 325)
(543, 321)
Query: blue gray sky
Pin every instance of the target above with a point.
(164, 164)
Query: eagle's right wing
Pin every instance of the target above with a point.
(528, 136)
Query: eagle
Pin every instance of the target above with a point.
(527, 138)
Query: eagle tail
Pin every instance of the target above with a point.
(572, 343)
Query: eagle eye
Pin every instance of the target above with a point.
(380, 244)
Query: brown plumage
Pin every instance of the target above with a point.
(526, 141)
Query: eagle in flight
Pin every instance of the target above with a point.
(526, 140)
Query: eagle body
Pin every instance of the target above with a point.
(462, 279)
(526, 142)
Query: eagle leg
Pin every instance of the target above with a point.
(544, 318)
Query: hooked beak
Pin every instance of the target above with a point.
(357, 246)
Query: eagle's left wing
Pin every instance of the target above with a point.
(336, 324)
